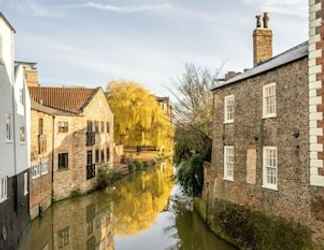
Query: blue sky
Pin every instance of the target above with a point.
(91, 42)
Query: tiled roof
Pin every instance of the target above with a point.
(291, 55)
(71, 100)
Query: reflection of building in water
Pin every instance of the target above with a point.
(82, 224)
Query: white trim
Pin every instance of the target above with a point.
(25, 183)
(265, 113)
(3, 188)
(226, 163)
(227, 99)
(265, 184)
(9, 132)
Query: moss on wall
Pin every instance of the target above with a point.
(249, 229)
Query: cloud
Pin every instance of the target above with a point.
(126, 9)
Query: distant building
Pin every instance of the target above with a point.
(14, 117)
(165, 105)
(72, 138)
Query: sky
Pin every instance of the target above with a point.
(91, 42)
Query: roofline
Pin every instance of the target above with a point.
(50, 111)
(91, 98)
(260, 73)
(25, 62)
(7, 22)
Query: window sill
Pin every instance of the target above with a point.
(62, 169)
(3, 200)
(9, 142)
(271, 188)
(228, 179)
(229, 122)
(269, 116)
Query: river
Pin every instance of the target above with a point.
(145, 211)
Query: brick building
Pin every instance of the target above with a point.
(72, 137)
(268, 131)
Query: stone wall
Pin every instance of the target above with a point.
(288, 132)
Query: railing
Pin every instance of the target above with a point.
(91, 138)
(140, 149)
(91, 171)
(42, 144)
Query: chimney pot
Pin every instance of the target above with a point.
(258, 23)
(266, 20)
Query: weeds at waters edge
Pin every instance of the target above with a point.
(247, 229)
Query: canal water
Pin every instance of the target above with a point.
(145, 211)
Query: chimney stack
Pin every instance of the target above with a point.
(262, 40)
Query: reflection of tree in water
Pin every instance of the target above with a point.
(190, 231)
(139, 201)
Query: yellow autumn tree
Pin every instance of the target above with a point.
(138, 118)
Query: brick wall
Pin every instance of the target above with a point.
(74, 143)
(41, 187)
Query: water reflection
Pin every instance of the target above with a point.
(142, 212)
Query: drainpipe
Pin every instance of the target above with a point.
(53, 144)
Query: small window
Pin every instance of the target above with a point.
(36, 171)
(97, 155)
(229, 163)
(108, 127)
(102, 127)
(40, 126)
(269, 101)
(63, 161)
(64, 237)
(89, 126)
(22, 136)
(22, 96)
(97, 126)
(102, 156)
(270, 168)
(3, 188)
(63, 126)
(108, 154)
(229, 108)
(25, 183)
(89, 158)
(44, 168)
(8, 128)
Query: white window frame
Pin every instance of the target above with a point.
(24, 135)
(35, 171)
(270, 164)
(228, 163)
(3, 188)
(25, 183)
(265, 104)
(227, 100)
(9, 128)
(44, 168)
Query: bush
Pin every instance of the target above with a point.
(190, 175)
(107, 177)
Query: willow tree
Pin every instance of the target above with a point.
(139, 119)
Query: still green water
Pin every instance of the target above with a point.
(143, 212)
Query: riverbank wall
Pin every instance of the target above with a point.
(250, 225)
